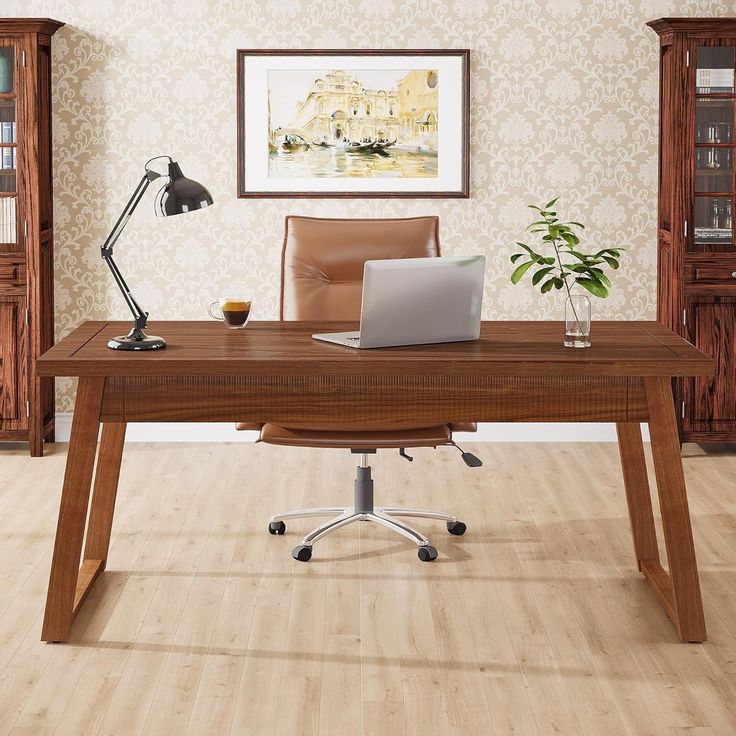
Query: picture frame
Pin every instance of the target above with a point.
(378, 123)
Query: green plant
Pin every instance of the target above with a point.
(569, 263)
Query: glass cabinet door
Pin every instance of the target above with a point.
(715, 147)
(8, 149)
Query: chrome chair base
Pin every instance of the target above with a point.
(363, 510)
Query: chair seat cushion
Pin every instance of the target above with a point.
(350, 439)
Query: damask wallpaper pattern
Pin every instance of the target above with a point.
(564, 101)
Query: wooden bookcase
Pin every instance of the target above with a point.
(696, 262)
(26, 230)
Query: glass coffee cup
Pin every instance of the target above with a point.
(234, 311)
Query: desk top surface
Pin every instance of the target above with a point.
(286, 348)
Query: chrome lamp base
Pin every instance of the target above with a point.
(137, 340)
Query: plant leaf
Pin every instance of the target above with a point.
(594, 287)
(547, 285)
(539, 275)
(519, 271)
(551, 203)
(516, 257)
(580, 256)
(612, 262)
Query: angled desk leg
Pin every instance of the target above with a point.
(680, 590)
(63, 598)
(105, 491)
(638, 495)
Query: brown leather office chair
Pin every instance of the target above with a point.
(322, 279)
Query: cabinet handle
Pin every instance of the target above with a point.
(733, 274)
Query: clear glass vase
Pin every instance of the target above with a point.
(577, 321)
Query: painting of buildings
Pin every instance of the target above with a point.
(339, 107)
(361, 123)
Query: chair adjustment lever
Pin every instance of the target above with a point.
(469, 459)
(403, 454)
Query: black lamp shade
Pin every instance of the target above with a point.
(181, 194)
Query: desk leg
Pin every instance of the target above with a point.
(105, 491)
(638, 496)
(62, 598)
(680, 590)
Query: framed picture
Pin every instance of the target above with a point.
(353, 123)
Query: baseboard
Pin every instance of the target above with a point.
(225, 432)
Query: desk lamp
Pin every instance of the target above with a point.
(177, 196)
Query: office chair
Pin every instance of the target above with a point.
(321, 279)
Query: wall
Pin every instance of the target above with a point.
(564, 101)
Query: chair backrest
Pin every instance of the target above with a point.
(322, 260)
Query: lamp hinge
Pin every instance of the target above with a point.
(23, 57)
(687, 58)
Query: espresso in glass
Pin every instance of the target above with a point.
(233, 311)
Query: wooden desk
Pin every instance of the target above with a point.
(275, 372)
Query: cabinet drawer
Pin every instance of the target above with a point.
(12, 274)
(708, 276)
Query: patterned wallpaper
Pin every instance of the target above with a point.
(564, 101)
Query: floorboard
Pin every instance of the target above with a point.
(535, 622)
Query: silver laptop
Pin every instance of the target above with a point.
(416, 301)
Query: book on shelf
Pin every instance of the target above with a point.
(714, 80)
(7, 158)
(713, 233)
(7, 132)
(7, 220)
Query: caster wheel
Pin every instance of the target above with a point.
(457, 528)
(276, 527)
(427, 554)
(302, 553)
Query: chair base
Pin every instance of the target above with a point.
(363, 510)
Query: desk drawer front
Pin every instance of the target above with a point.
(347, 399)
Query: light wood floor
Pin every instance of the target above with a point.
(535, 622)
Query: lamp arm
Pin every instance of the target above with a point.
(133, 202)
(140, 317)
